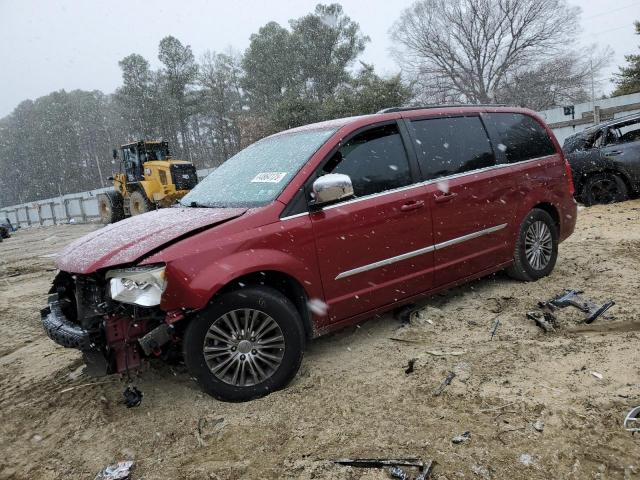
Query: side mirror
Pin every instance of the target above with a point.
(331, 188)
(115, 154)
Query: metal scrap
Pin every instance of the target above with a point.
(495, 328)
(632, 420)
(443, 385)
(571, 298)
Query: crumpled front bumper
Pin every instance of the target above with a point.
(61, 330)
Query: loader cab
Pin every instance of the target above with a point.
(135, 155)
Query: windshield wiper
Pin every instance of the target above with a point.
(198, 205)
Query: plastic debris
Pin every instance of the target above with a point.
(597, 375)
(527, 459)
(571, 298)
(132, 397)
(393, 465)
(461, 438)
(118, 471)
(632, 420)
(545, 320)
(398, 473)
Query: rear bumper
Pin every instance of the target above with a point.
(569, 217)
(61, 330)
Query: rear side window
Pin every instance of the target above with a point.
(447, 146)
(521, 137)
(375, 160)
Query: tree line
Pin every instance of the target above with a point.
(472, 51)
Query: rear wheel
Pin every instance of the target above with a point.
(603, 188)
(110, 207)
(138, 203)
(536, 248)
(245, 345)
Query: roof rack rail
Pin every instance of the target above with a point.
(442, 105)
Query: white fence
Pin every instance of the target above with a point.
(71, 208)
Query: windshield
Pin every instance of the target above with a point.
(256, 175)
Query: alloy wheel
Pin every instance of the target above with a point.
(244, 347)
(538, 245)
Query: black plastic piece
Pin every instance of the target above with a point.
(63, 331)
(132, 397)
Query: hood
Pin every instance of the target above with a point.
(129, 240)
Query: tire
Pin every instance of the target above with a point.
(110, 207)
(604, 188)
(527, 265)
(228, 383)
(139, 204)
(4, 233)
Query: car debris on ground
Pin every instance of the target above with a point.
(444, 384)
(463, 437)
(545, 320)
(495, 328)
(410, 366)
(393, 466)
(632, 420)
(132, 396)
(118, 471)
(571, 298)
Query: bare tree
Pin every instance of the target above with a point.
(479, 50)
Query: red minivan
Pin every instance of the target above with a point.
(308, 231)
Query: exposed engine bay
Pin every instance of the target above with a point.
(113, 336)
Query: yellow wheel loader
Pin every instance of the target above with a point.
(148, 179)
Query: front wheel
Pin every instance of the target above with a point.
(139, 204)
(244, 345)
(536, 249)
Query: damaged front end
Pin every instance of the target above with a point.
(113, 318)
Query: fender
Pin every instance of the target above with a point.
(187, 290)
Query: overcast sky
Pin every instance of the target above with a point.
(48, 45)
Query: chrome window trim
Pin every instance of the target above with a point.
(421, 251)
(431, 181)
(290, 217)
(420, 184)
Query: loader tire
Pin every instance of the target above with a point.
(110, 207)
(139, 203)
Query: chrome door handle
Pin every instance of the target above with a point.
(412, 205)
(445, 197)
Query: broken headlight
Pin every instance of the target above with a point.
(138, 285)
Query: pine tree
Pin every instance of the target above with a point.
(628, 80)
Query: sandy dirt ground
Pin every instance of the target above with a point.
(352, 397)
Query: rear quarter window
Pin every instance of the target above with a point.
(451, 145)
(520, 136)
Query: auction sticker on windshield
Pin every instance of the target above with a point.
(269, 177)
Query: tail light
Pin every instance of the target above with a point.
(569, 174)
